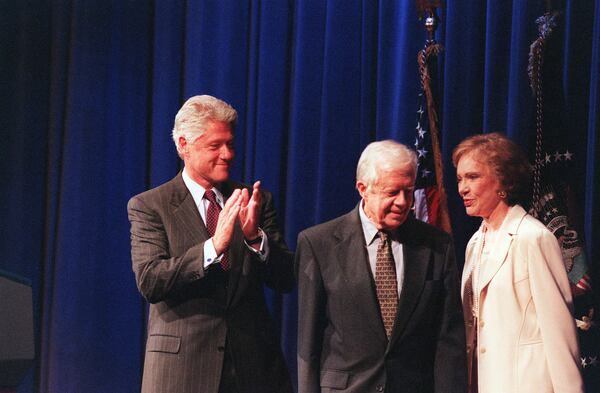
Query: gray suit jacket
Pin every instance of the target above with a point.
(342, 345)
(195, 313)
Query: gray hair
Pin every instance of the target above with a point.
(384, 155)
(196, 114)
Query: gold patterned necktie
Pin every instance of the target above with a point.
(386, 283)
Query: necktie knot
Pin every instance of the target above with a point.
(211, 196)
(383, 236)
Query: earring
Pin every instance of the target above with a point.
(502, 194)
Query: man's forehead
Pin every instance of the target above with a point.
(217, 130)
(402, 182)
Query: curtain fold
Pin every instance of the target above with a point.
(592, 179)
(91, 90)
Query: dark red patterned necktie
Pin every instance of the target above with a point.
(212, 217)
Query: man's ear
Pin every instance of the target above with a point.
(361, 187)
(182, 142)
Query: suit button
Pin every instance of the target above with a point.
(379, 388)
(220, 348)
(482, 350)
(481, 324)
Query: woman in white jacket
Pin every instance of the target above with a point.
(517, 303)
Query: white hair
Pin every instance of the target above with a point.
(384, 156)
(197, 113)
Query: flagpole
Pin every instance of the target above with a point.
(427, 11)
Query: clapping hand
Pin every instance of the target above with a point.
(226, 223)
(249, 212)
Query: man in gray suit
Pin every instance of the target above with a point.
(379, 304)
(202, 246)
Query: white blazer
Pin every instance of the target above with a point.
(526, 332)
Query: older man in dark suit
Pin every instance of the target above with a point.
(202, 246)
(379, 298)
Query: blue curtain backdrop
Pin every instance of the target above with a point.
(90, 90)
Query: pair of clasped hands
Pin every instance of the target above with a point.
(240, 205)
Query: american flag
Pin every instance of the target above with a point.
(430, 196)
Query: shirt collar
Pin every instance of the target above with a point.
(197, 190)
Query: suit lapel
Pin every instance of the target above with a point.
(494, 261)
(507, 230)
(186, 212)
(416, 262)
(353, 263)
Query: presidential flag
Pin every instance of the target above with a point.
(558, 155)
